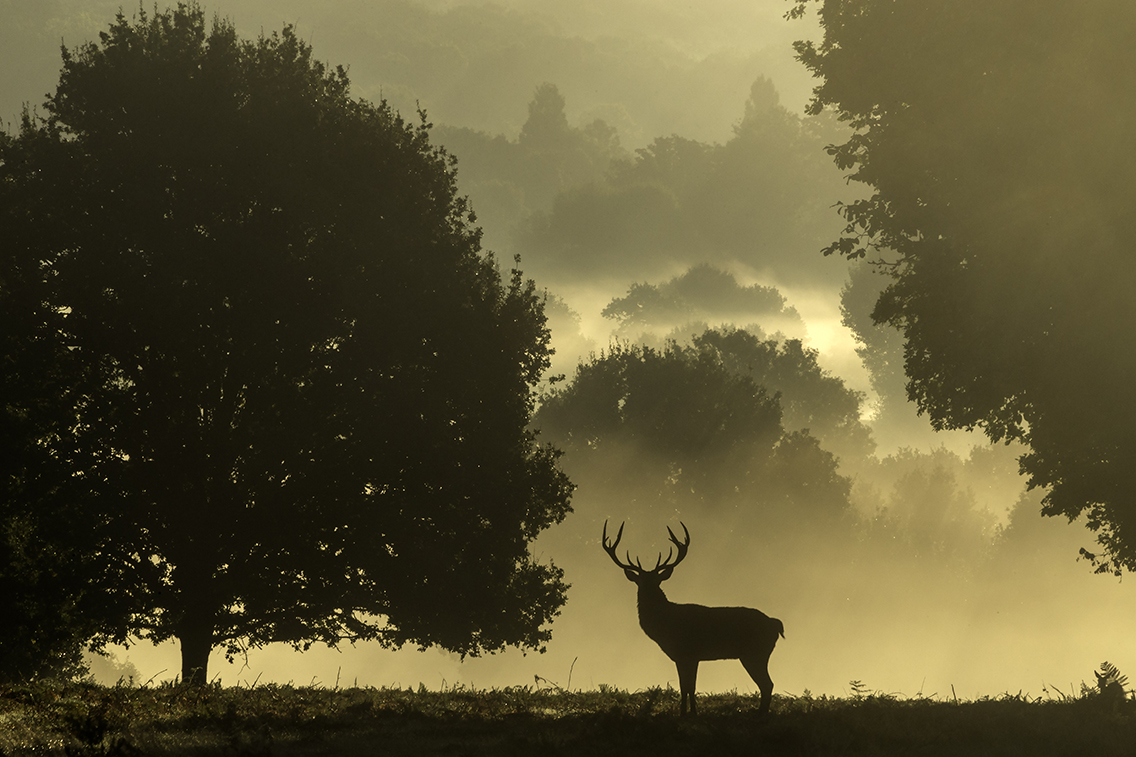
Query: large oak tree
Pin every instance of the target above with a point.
(997, 140)
(259, 373)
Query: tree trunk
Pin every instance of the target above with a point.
(195, 633)
(196, 644)
(194, 580)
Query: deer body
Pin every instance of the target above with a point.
(709, 633)
(689, 633)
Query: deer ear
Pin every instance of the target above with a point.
(632, 576)
(665, 573)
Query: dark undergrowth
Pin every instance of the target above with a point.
(83, 720)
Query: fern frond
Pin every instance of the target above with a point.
(1110, 677)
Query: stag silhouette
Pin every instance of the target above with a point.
(689, 634)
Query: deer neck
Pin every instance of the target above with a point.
(653, 607)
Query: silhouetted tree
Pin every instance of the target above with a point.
(60, 562)
(547, 125)
(994, 137)
(811, 398)
(678, 428)
(278, 392)
(802, 480)
(703, 292)
(43, 634)
(680, 403)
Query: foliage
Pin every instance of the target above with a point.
(46, 620)
(878, 345)
(680, 403)
(991, 138)
(937, 506)
(812, 399)
(570, 343)
(1110, 681)
(524, 720)
(512, 178)
(702, 293)
(267, 387)
(759, 199)
(553, 150)
(680, 429)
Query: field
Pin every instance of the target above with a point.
(85, 719)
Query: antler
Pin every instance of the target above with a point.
(682, 547)
(660, 563)
(610, 549)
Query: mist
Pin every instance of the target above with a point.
(619, 148)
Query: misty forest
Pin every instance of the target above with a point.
(334, 333)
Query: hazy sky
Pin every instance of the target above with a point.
(652, 69)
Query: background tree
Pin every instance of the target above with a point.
(995, 138)
(937, 507)
(678, 430)
(680, 403)
(284, 380)
(811, 398)
(760, 199)
(513, 178)
(702, 293)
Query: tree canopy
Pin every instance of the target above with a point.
(262, 376)
(703, 292)
(995, 139)
(760, 199)
(679, 428)
(509, 179)
(811, 398)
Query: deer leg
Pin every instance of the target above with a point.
(758, 668)
(687, 675)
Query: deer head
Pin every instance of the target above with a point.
(648, 578)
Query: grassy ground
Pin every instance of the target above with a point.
(84, 719)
